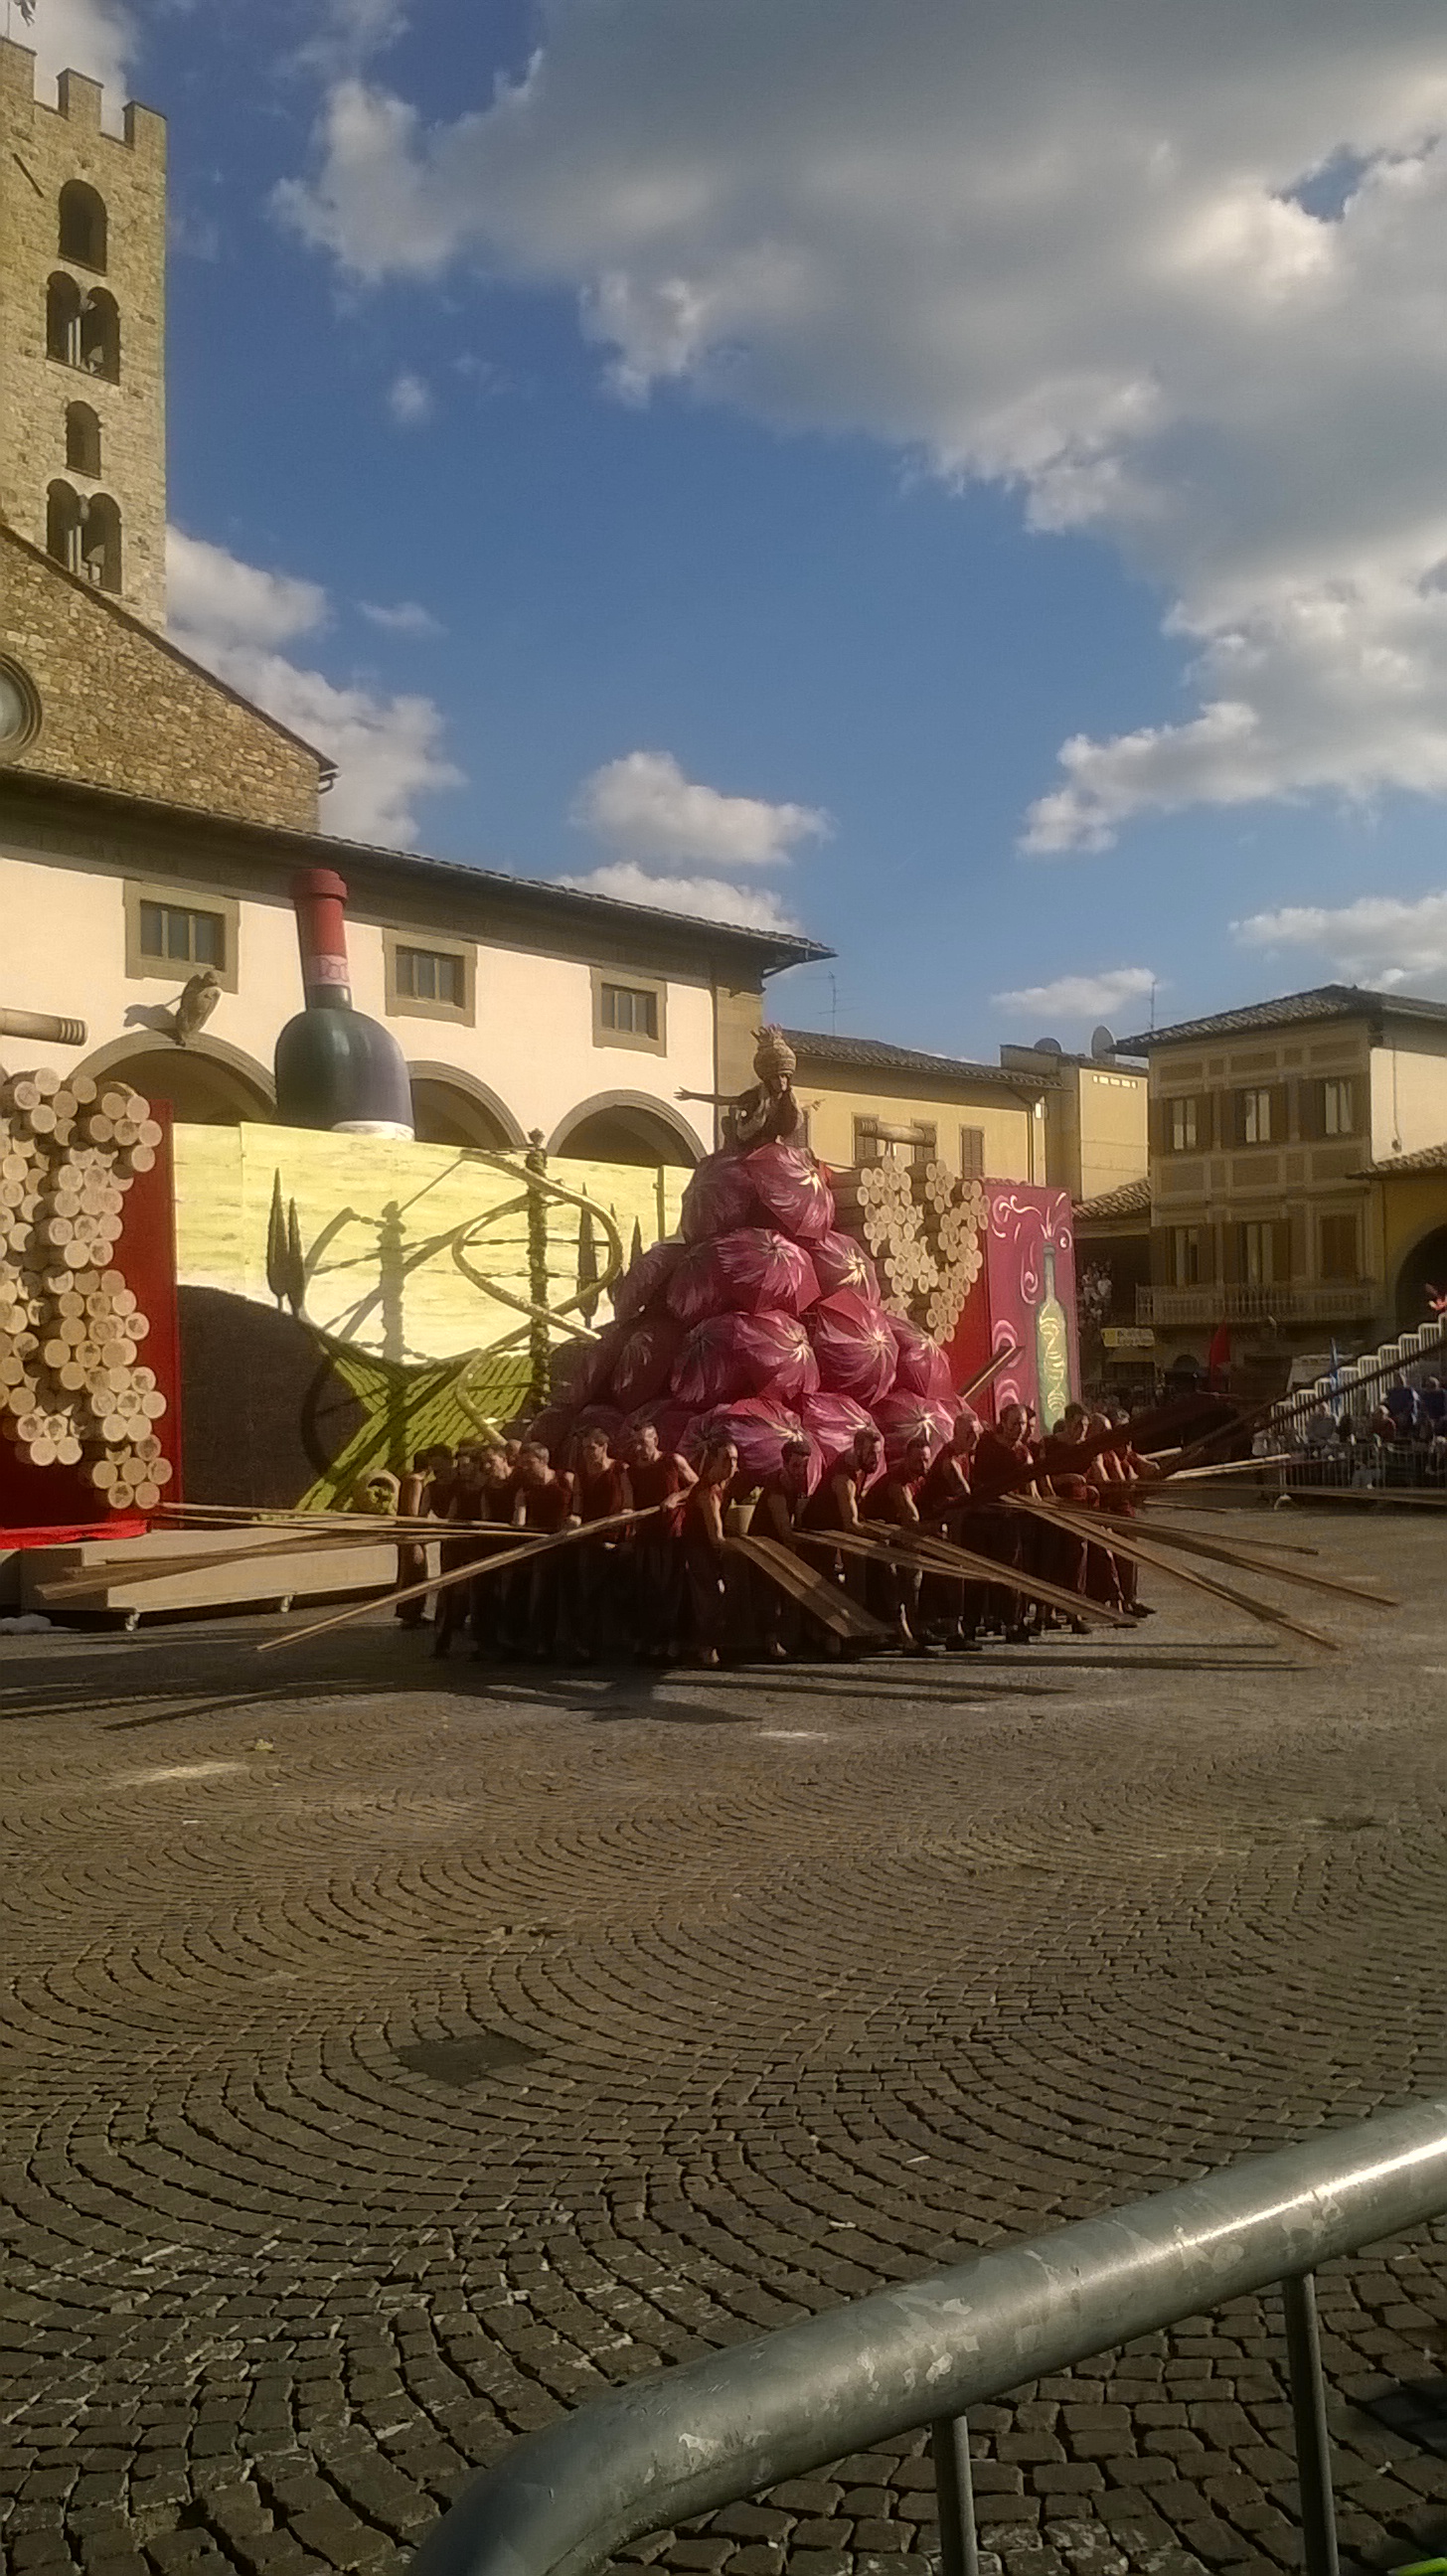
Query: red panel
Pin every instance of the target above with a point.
(1025, 1297)
(59, 1499)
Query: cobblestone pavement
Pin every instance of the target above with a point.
(393, 2058)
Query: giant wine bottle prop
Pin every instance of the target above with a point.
(334, 1067)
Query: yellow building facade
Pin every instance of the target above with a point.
(865, 1099)
(1269, 1128)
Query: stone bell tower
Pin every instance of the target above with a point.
(83, 333)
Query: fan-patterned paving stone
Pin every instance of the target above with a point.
(393, 2060)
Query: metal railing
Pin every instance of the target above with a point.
(710, 2433)
(1303, 1301)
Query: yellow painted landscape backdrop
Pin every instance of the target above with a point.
(415, 1260)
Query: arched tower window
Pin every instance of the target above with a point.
(82, 439)
(100, 542)
(100, 335)
(82, 225)
(83, 535)
(64, 516)
(62, 320)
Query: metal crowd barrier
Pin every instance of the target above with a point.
(710, 2433)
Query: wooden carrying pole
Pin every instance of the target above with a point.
(824, 1601)
(941, 1556)
(1056, 1518)
(1224, 1553)
(991, 1369)
(528, 1552)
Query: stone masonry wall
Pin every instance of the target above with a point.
(120, 709)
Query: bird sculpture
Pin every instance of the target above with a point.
(195, 1004)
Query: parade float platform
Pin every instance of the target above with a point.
(269, 1582)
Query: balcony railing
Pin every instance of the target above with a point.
(1305, 1301)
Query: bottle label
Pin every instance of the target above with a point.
(327, 970)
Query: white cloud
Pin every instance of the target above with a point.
(409, 399)
(90, 36)
(1379, 940)
(706, 898)
(1078, 997)
(350, 33)
(213, 593)
(644, 807)
(1075, 251)
(408, 617)
(388, 751)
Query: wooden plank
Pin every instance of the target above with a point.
(1222, 1553)
(1057, 1518)
(824, 1601)
(466, 1574)
(941, 1556)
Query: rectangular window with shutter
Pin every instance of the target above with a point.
(1337, 1117)
(1259, 1250)
(1338, 1245)
(972, 1153)
(1254, 1120)
(1183, 1126)
(877, 1140)
(1186, 1271)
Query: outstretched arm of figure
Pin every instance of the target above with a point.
(712, 1099)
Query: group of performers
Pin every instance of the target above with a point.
(665, 1587)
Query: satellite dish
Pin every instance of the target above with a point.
(1101, 1041)
(1048, 1046)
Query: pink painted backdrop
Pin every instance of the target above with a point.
(1026, 1224)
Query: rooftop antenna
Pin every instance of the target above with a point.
(1153, 1001)
(833, 1006)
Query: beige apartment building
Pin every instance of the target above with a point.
(1268, 1130)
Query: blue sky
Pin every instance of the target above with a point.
(761, 452)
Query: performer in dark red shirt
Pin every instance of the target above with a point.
(704, 1562)
(542, 1505)
(588, 1574)
(894, 1500)
(778, 1512)
(654, 1562)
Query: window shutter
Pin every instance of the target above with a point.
(1310, 1111)
(1161, 1256)
(972, 1153)
(1159, 1134)
(1281, 1249)
(1280, 1113)
(1231, 1252)
(1208, 1255)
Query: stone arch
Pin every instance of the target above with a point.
(450, 1107)
(207, 1083)
(63, 300)
(1423, 1265)
(626, 1127)
(100, 335)
(82, 439)
(100, 541)
(82, 225)
(64, 525)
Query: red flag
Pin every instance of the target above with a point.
(1218, 1357)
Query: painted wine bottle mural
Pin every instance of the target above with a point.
(1052, 1348)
